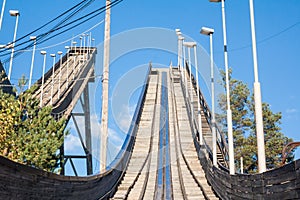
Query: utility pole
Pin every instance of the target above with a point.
(104, 121)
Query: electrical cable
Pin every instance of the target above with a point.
(267, 38)
(63, 42)
(78, 23)
(57, 25)
(56, 28)
(95, 13)
(46, 24)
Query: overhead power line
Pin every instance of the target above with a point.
(267, 38)
(41, 38)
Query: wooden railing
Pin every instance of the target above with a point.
(281, 183)
(221, 140)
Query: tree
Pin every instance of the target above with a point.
(275, 140)
(29, 134)
(244, 134)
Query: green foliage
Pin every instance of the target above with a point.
(29, 134)
(244, 133)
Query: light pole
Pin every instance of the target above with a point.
(210, 32)
(80, 47)
(14, 13)
(86, 43)
(2, 12)
(229, 113)
(44, 53)
(194, 45)
(257, 100)
(67, 48)
(74, 59)
(190, 45)
(60, 66)
(84, 46)
(180, 47)
(198, 99)
(32, 60)
(90, 45)
(178, 33)
(184, 69)
(52, 83)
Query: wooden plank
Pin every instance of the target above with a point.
(282, 195)
(288, 186)
(280, 178)
(277, 172)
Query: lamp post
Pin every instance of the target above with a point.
(44, 53)
(180, 48)
(32, 59)
(210, 32)
(190, 45)
(60, 66)
(2, 12)
(184, 70)
(67, 48)
(178, 33)
(74, 59)
(257, 100)
(14, 13)
(52, 83)
(80, 47)
(90, 45)
(84, 46)
(229, 113)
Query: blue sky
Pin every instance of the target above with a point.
(277, 32)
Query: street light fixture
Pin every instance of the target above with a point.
(257, 100)
(74, 45)
(229, 113)
(44, 53)
(32, 59)
(93, 41)
(209, 32)
(14, 13)
(53, 70)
